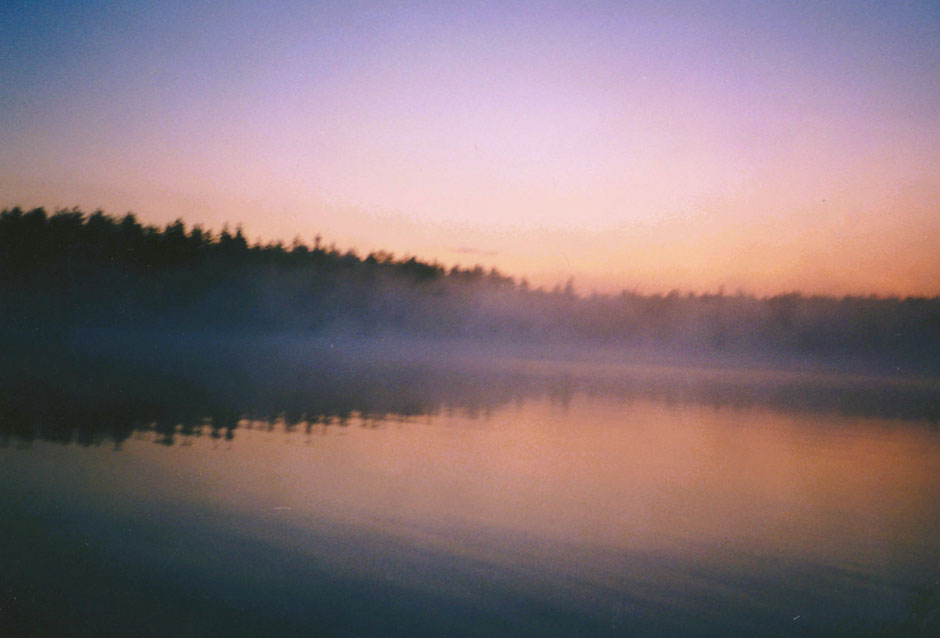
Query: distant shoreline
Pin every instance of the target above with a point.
(69, 275)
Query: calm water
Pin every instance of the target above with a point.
(607, 503)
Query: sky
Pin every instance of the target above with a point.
(650, 146)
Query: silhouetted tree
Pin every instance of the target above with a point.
(69, 269)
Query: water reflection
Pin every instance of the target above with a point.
(362, 495)
(213, 392)
(565, 511)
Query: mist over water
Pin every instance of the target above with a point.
(69, 278)
(108, 387)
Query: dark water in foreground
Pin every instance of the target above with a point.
(681, 504)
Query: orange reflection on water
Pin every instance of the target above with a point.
(609, 506)
(593, 473)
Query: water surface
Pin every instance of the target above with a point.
(579, 502)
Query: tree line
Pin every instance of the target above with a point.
(69, 270)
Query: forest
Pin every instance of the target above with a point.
(70, 274)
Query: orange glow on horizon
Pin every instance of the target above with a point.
(649, 147)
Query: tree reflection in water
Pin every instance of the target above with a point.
(207, 390)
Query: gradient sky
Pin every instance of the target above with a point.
(659, 145)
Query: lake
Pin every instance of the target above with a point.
(506, 500)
